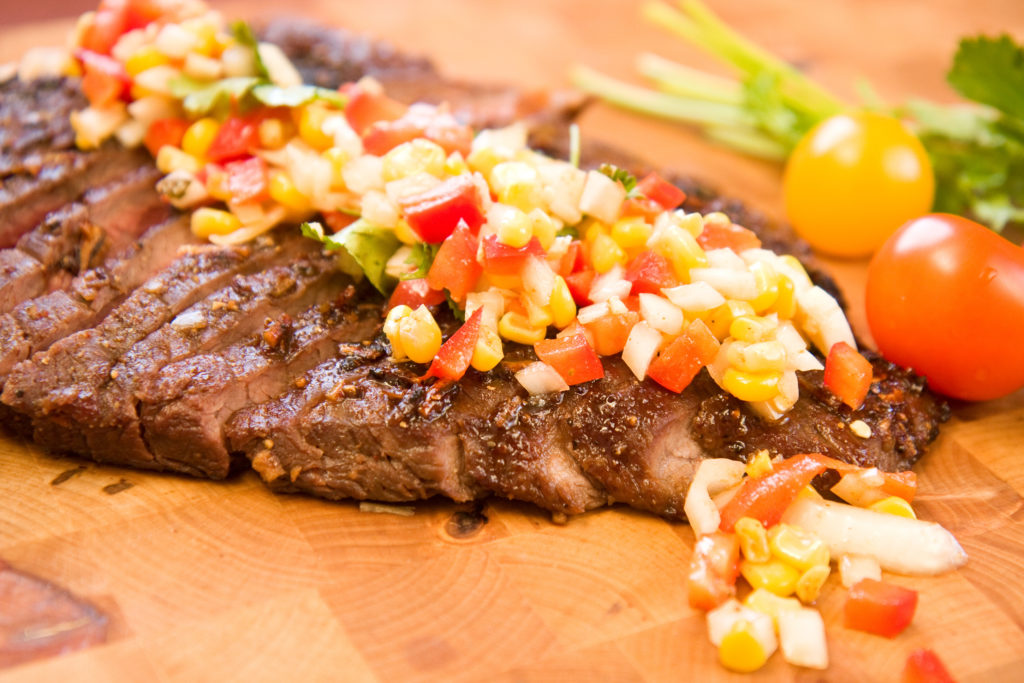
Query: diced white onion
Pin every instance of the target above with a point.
(798, 277)
(92, 126)
(822, 319)
(363, 174)
(410, 185)
(157, 79)
(589, 314)
(789, 387)
(641, 347)
(491, 301)
(694, 297)
(279, 67)
(238, 61)
(610, 284)
(899, 544)
(790, 338)
(541, 378)
(42, 62)
(397, 265)
(713, 476)
(182, 190)
(379, 209)
(152, 108)
(175, 42)
(504, 141)
(602, 197)
(346, 139)
(538, 280)
(805, 361)
(131, 133)
(189, 320)
(854, 568)
(132, 41)
(562, 189)
(661, 314)
(725, 258)
(860, 488)
(751, 256)
(732, 284)
(802, 636)
(202, 67)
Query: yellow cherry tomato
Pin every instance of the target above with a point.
(853, 180)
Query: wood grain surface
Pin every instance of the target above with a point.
(224, 581)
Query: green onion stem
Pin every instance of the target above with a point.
(678, 79)
(749, 142)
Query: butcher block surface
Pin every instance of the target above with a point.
(226, 581)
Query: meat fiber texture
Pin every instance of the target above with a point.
(125, 341)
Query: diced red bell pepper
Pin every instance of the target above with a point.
(455, 267)
(433, 214)
(847, 374)
(641, 207)
(141, 13)
(572, 357)
(679, 362)
(901, 484)
(237, 137)
(884, 609)
(924, 666)
(579, 286)
(365, 108)
(501, 259)
(383, 136)
(455, 355)
(104, 80)
(714, 567)
(660, 191)
(415, 293)
(165, 132)
(611, 331)
(720, 236)
(102, 32)
(247, 180)
(575, 328)
(650, 272)
(765, 498)
(339, 220)
(572, 260)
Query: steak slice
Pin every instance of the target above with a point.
(366, 427)
(184, 408)
(80, 236)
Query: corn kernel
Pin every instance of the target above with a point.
(753, 539)
(545, 229)
(337, 158)
(514, 228)
(416, 156)
(759, 464)
(590, 228)
(692, 223)
(455, 164)
(680, 248)
(785, 303)
(893, 505)
(311, 126)
(774, 576)
(283, 191)
(207, 43)
(517, 184)
(395, 315)
(563, 308)
(216, 184)
(539, 316)
(799, 548)
(199, 136)
(488, 351)
(794, 263)
(605, 253)
(144, 58)
(740, 650)
(769, 356)
(771, 604)
(516, 327)
(766, 280)
(405, 233)
(170, 159)
(421, 337)
(274, 133)
(752, 328)
(720, 319)
(631, 233)
(808, 587)
(207, 221)
(483, 160)
(749, 386)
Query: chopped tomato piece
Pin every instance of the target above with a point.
(103, 31)
(884, 609)
(415, 293)
(902, 484)
(731, 236)
(455, 267)
(104, 80)
(235, 138)
(572, 260)
(847, 374)
(365, 108)
(766, 497)
(714, 567)
(247, 180)
(419, 121)
(924, 666)
(645, 208)
(339, 220)
(611, 331)
(650, 272)
(165, 132)
(141, 13)
(572, 357)
(501, 259)
(679, 362)
(575, 328)
(452, 360)
(579, 286)
(661, 192)
(433, 214)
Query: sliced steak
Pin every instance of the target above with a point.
(184, 408)
(81, 236)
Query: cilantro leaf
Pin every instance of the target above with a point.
(990, 71)
(369, 246)
(296, 95)
(422, 257)
(621, 176)
(202, 98)
(242, 32)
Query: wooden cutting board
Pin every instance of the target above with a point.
(224, 581)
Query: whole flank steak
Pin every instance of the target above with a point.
(126, 339)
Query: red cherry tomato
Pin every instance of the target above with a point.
(945, 296)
